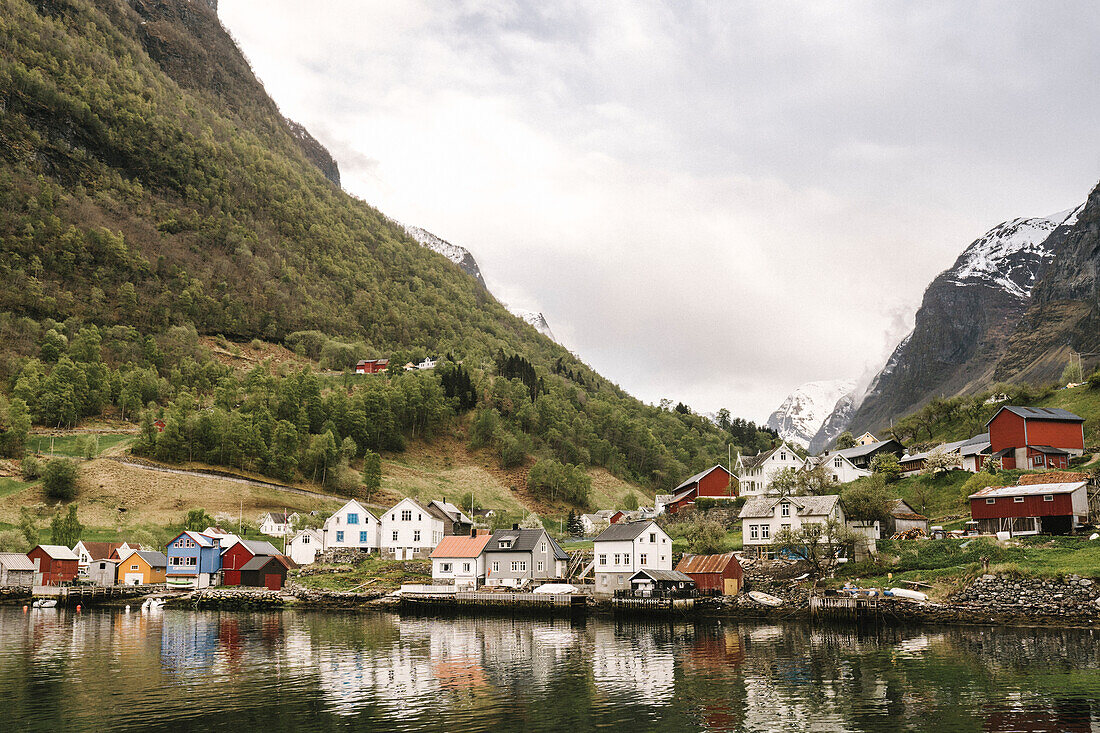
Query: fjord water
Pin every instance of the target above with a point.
(310, 671)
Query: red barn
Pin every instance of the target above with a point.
(239, 554)
(718, 573)
(1036, 437)
(54, 564)
(265, 572)
(1054, 508)
(616, 517)
(372, 366)
(715, 482)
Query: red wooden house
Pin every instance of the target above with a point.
(716, 482)
(54, 564)
(372, 366)
(265, 572)
(720, 574)
(1035, 437)
(1053, 508)
(239, 554)
(618, 516)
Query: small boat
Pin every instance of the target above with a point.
(914, 595)
(45, 603)
(152, 604)
(764, 599)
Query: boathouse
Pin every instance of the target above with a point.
(16, 569)
(240, 554)
(718, 574)
(54, 564)
(265, 571)
(1055, 508)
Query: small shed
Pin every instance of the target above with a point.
(647, 583)
(103, 572)
(716, 573)
(54, 564)
(16, 569)
(265, 571)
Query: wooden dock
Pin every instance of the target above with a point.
(653, 605)
(507, 603)
(844, 607)
(88, 595)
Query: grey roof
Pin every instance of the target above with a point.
(259, 547)
(155, 559)
(260, 561)
(672, 576)
(450, 511)
(15, 561)
(525, 541)
(979, 438)
(623, 531)
(59, 552)
(806, 506)
(753, 461)
(943, 448)
(1049, 450)
(698, 477)
(1039, 413)
(859, 451)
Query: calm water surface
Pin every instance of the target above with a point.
(181, 670)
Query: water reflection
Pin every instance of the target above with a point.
(208, 670)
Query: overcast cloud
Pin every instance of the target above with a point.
(711, 202)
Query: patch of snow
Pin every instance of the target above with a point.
(456, 254)
(806, 409)
(536, 319)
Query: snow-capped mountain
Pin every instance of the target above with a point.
(837, 421)
(536, 319)
(966, 319)
(456, 254)
(805, 410)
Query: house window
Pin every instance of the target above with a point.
(416, 535)
(836, 463)
(990, 501)
(465, 567)
(406, 515)
(786, 527)
(783, 456)
(785, 510)
(617, 556)
(1048, 497)
(765, 531)
(305, 539)
(653, 537)
(363, 537)
(1037, 461)
(353, 519)
(192, 561)
(395, 535)
(445, 567)
(339, 536)
(519, 566)
(603, 559)
(133, 567)
(753, 532)
(642, 558)
(540, 566)
(1018, 499)
(542, 548)
(496, 567)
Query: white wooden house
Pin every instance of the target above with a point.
(625, 548)
(838, 468)
(305, 545)
(352, 526)
(460, 560)
(278, 524)
(412, 530)
(763, 517)
(756, 473)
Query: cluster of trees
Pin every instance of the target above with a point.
(963, 416)
(560, 482)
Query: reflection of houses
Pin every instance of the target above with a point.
(189, 643)
(633, 666)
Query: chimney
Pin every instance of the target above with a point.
(473, 531)
(515, 526)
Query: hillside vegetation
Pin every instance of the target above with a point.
(160, 223)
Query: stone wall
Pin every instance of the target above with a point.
(237, 598)
(15, 594)
(1032, 597)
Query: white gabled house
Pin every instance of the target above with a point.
(460, 560)
(625, 548)
(353, 526)
(756, 473)
(278, 524)
(304, 546)
(763, 517)
(412, 530)
(838, 468)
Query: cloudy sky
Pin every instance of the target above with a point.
(711, 202)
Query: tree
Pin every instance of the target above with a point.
(28, 526)
(531, 521)
(59, 478)
(630, 503)
(66, 530)
(845, 440)
(706, 536)
(801, 482)
(573, 525)
(866, 500)
(940, 461)
(817, 544)
(372, 473)
(197, 520)
(887, 466)
(1072, 374)
(15, 423)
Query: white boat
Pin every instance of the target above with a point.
(45, 603)
(152, 604)
(914, 595)
(555, 588)
(764, 599)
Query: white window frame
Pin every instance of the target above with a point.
(1048, 497)
(1017, 500)
(765, 531)
(990, 501)
(754, 532)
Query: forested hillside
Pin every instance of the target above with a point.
(152, 194)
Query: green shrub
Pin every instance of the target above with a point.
(60, 478)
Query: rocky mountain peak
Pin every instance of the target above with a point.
(805, 410)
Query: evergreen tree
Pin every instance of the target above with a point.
(66, 530)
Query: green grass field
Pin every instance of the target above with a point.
(66, 445)
(370, 574)
(9, 486)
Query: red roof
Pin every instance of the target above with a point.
(706, 563)
(1053, 477)
(461, 546)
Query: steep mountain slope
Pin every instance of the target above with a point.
(968, 314)
(456, 254)
(536, 319)
(315, 152)
(802, 414)
(837, 421)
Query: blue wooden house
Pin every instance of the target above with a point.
(194, 559)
